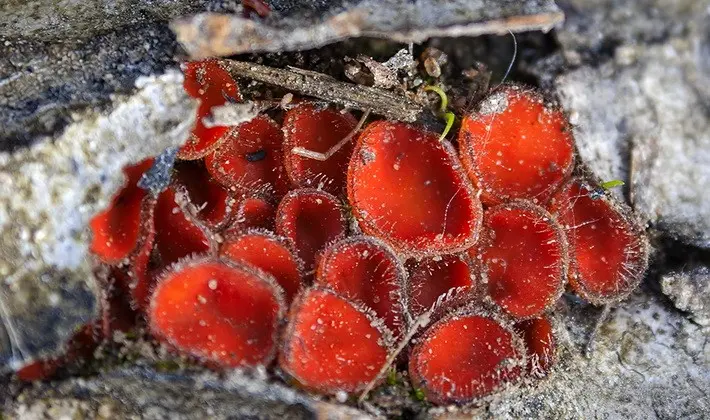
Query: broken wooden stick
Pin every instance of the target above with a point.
(379, 101)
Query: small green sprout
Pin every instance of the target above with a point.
(448, 116)
(392, 378)
(600, 191)
(444, 98)
(612, 184)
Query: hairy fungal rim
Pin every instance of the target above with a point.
(192, 261)
(636, 230)
(401, 247)
(483, 108)
(517, 343)
(388, 340)
(560, 238)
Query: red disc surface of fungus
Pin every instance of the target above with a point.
(331, 344)
(223, 312)
(406, 187)
(177, 234)
(609, 252)
(214, 86)
(524, 258)
(516, 146)
(268, 252)
(254, 212)
(366, 270)
(203, 140)
(117, 231)
(310, 219)
(210, 82)
(317, 129)
(213, 201)
(464, 357)
(251, 159)
(540, 345)
(433, 277)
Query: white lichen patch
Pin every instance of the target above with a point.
(49, 192)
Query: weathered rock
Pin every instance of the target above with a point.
(594, 29)
(42, 84)
(48, 194)
(689, 290)
(147, 394)
(649, 362)
(643, 117)
(48, 20)
(313, 23)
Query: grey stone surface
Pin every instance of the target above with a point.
(49, 20)
(689, 290)
(49, 192)
(138, 393)
(42, 84)
(314, 23)
(643, 116)
(594, 29)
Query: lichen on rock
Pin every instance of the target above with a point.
(50, 191)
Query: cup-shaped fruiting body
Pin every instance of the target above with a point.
(608, 249)
(271, 253)
(251, 159)
(466, 356)
(331, 344)
(207, 80)
(253, 212)
(219, 311)
(367, 271)
(202, 140)
(213, 86)
(80, 346)
(523, 255)
(407, 188)
(310, 219)
(433, 279)
(516, 146)
(118, 230)
(317, 129)
(213, 202)
(177, 233)
(540, 345)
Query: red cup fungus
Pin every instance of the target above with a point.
(331, 344)
(256, 214)
(219, 311)
(407, 188)
(523, 256)
(516, 146)
(367, 271)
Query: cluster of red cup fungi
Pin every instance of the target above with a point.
(255, 255)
